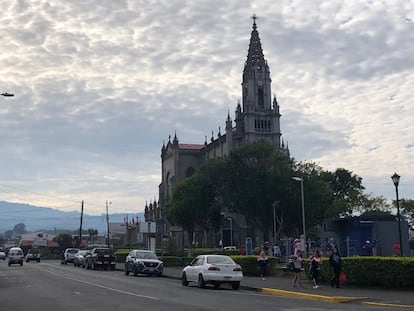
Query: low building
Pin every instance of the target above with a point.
(365, 235)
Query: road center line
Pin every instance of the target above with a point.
(100, 286)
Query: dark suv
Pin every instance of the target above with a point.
(33, 255)
(143, 262)
(101, 257)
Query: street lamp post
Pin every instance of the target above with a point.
(274, 205)
(231, 230)
(396, 180)
(303, 212)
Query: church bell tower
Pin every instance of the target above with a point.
(258, 118)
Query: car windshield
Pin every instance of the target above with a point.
(219, 260)
(104, 251)
(146, 255)
(83, 252)
(72, 251)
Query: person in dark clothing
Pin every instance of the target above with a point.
(335, 261)
(315, 262)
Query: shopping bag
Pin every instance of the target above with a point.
(342, 278)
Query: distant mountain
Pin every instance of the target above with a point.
(44, 218)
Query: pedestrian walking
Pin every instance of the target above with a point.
(297, 268)
(262, 262)
(336, 263)
(297, 245)
(315, 263)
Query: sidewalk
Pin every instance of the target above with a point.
(282, 286)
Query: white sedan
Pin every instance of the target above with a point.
(212, 269)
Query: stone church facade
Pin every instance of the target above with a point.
(257, 118)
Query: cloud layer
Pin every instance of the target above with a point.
(99, 85)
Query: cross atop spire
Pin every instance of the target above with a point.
(254, 17)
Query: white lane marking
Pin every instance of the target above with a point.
(100, 286)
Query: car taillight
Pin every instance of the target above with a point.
(214, 269)
(238, 269)
(96, 257)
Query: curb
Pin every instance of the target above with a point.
(386, 305)
(291, 294)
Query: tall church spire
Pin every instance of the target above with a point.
(256, 76)
(259, 118)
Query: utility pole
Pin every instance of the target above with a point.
(80, 228)
(107, 221)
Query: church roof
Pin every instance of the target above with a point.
(190, 146)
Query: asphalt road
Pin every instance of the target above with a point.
(48, 285)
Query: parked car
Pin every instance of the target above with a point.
(69, 255)
(143, 262)
(15, 256)
(101, 257)
(80, 258)
(33, 255)
(2, 255)
(212, 269)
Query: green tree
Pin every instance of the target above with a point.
(369, 205)
(93, 233)
(182, 210)
(20, 228)
(255, 176)
(64, 240)
(347, 191)
(407, 210)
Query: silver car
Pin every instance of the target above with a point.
(212, 269)
(15, 256)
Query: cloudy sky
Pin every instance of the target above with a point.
(100, 85)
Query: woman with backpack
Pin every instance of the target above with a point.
(297, 268)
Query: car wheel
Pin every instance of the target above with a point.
(201, 283)
(235, 285)
(135, 271)
(38, 260)
(93, 266)
(9, 264)
(112, 267)
(216, 285)
(184, 279)
(21, 264)
(126, 270)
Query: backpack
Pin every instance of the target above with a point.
(291, 264)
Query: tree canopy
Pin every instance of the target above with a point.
(252, 178)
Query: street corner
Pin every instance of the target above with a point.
(307, 296)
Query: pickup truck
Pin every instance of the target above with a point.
(69, 255)
(101, 258)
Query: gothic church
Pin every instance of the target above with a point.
(257, 118)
